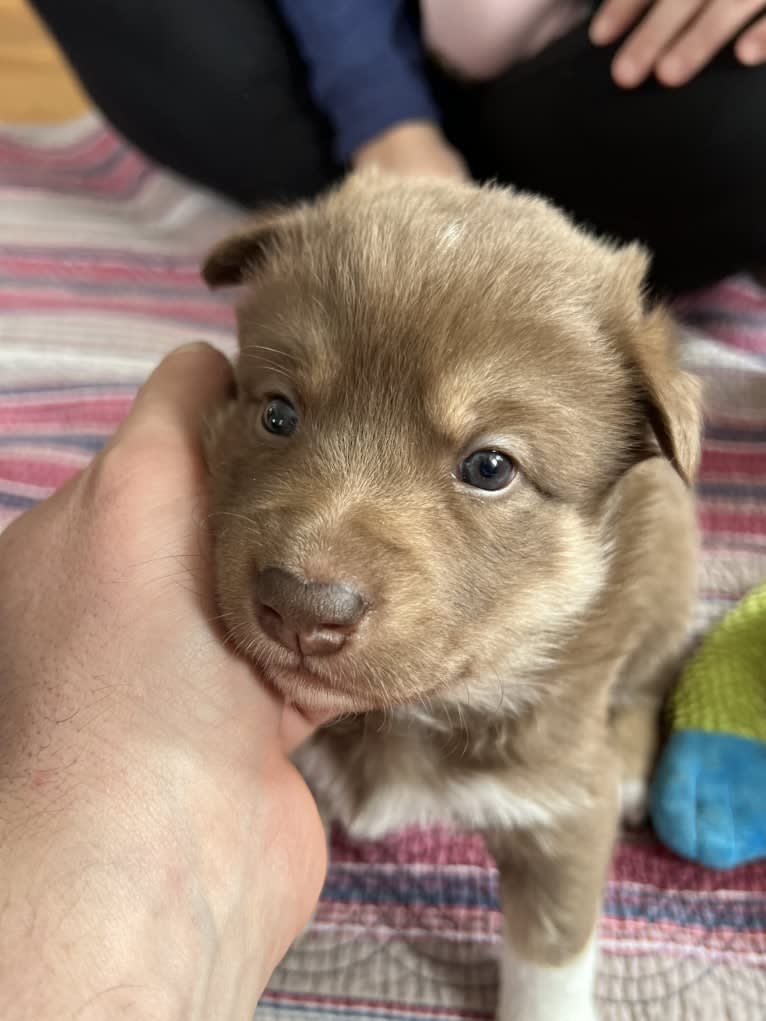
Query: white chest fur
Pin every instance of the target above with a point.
(400, 797)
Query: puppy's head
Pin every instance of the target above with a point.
(438, 388)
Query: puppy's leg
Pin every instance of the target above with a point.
(535, 992)
(634, 722)
(635, 734)
(551, 886)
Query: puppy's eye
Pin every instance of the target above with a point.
(487, 469)
(280, 417)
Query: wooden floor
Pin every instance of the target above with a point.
(35, 82)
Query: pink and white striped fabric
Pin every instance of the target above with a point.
(98, 278)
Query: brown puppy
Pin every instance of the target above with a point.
(451, 501)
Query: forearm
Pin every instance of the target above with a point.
(365, 66)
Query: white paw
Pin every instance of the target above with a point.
(537, 992)
(634, 803)
(589, 1014)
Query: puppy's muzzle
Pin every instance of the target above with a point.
(309, 617)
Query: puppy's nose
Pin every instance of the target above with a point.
(310, 617)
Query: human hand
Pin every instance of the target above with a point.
(676, 38)
(412, 148)
(158, 852)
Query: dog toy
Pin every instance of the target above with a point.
(708, 796)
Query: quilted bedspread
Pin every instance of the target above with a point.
(98, 278)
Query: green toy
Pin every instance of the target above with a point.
(708, 797)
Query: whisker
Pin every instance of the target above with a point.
(233, 514)
(273, 350)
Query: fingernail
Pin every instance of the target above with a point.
(672, 71)
(625, 72)
(194, 345)
(749, 52)
(600, 31)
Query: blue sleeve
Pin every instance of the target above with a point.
(365, 65)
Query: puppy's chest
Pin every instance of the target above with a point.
(376, 783)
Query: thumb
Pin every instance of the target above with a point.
(170, 405)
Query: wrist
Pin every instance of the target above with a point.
(160, 892)
(97, 920)
(416, 148)
(400, 138)
(121, 893)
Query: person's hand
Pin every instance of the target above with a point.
(676, 38)
(158, 852)
(412, 147)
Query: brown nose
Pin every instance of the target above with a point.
(310, 617)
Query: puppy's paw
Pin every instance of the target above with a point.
(634, 803)
(536, 992)
(586, 1014)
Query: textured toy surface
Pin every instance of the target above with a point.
(709, 792)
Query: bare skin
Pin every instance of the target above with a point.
(675, 39)
(412, 147)
(158, 852)
(671, 39)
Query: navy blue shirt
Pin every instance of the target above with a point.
(365, 65)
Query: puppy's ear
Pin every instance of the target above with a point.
(673, 397)
(239, 255)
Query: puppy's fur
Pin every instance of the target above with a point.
(508, 672)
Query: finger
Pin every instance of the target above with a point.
(172, 402)
(751, 46)
(298, 725)
(715, 26)
(613, 18)
(295, 728)
(639, 53)
(151, 476)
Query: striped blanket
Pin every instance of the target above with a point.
(98, 278)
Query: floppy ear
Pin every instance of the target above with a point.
(673, 397)
(239, 255)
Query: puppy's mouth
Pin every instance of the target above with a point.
(310, 693)
(336, 685)
(314, 685)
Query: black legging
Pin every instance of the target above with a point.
(217, 92)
